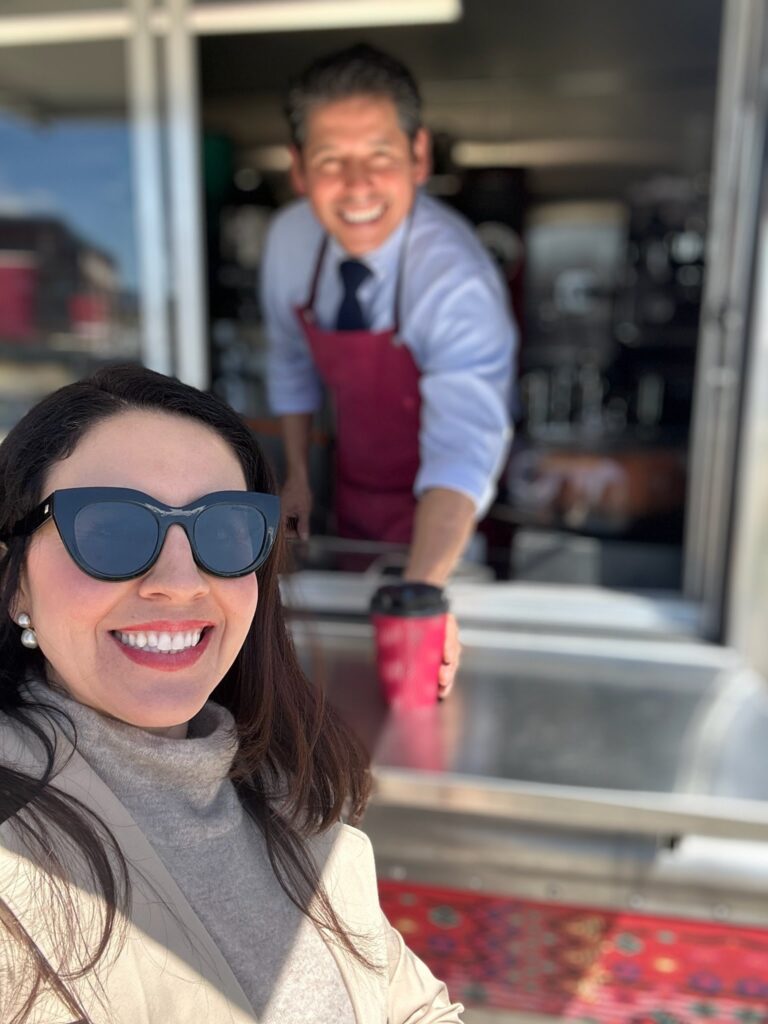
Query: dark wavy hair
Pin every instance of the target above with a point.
(288, 736)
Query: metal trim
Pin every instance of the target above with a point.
(148, 191)
(548, 645)
(187, 233)
(739, 133)
(225, 18)
(745, 613)
(637, 813)
(551, 608)
(74, 27)
(300, 15)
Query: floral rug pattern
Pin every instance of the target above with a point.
(583, 964)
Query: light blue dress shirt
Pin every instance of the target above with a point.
(454, 317)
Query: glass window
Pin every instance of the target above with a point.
(68, 291)
(580, 150)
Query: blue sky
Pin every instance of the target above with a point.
(79, 170)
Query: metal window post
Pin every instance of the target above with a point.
(186, 208)
(747, 596)
(739, 138)
(148, 192)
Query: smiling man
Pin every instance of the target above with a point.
(384, 296)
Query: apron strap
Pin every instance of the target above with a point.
(310, 303)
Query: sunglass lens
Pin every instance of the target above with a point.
(115, 538)
(229, 538)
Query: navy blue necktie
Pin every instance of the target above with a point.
(350, 316)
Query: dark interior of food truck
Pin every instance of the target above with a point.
(597, 781)
(578, 139)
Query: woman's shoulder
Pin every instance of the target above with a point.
(345, 838)
(18, 745)
(28, 743)
(26, 754)
(344, 856)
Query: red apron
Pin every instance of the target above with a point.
(374, 381)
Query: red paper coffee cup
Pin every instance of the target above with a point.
(409, 621)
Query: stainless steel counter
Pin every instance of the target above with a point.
(637, 736)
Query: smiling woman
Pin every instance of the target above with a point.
(177, 460)
(152, 713)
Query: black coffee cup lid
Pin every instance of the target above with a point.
(409, 599)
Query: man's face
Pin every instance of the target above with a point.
(359, 170)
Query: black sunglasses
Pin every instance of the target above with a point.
(113, 533)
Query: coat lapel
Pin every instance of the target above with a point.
(183, 974)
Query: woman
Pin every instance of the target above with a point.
(165, 857)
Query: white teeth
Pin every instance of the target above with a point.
(362, 216)
(161, 643)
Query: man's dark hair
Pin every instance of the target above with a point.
(359, 70)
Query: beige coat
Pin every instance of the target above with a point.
(169, 971)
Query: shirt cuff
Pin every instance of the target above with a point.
(477, 479)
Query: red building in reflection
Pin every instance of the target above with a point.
(53, 282)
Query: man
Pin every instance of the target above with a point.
(386, 297)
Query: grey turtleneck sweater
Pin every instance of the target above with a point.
(178, 792)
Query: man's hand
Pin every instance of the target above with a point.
(451, 658)
(296, 503)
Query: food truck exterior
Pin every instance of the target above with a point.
(601, 773)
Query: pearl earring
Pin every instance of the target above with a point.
(28, 636)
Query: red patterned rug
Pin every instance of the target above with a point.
(583, 964)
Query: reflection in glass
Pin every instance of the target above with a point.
(67, 254)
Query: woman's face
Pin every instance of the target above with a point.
(82, 624)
